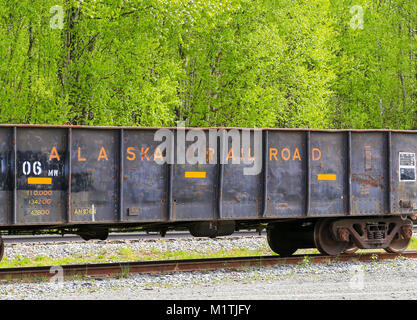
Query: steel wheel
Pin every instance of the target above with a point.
(324, 240)
(398, 245)
(278, 242)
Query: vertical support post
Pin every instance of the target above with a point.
(389, 172)
(15, 169)
(349, 173)
(220, 157)
(265, 153)
(308, 173)
(170, 161)
(170, 169)
(121, 173)
(69, 161)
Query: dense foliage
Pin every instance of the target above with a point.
(249, 63)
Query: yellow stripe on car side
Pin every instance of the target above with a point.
(195, 174)
(329, 177)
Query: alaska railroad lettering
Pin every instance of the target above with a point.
(145, 154)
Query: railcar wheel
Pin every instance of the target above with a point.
(89, 234)
(278, 241)
(324, 240)
(398, 245)
(402, 239)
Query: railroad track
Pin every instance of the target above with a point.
(107, 270)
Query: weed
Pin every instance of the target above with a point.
(40, 258)
(306, 261)
(125, 271)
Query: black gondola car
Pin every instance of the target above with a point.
(336, 190)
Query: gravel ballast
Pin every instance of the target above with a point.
(396, 279)
(60, 250)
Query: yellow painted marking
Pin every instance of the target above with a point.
(39, 180)
(195, 174)
(326, 177)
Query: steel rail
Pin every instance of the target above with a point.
(171, 266)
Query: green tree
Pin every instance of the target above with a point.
(249, 63)
(376, 65)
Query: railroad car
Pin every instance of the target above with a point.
(334, 190)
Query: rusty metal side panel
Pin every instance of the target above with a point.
(328, 174)
(403, 170)
(368, 173)
(286, 176)
(145, 185)
(242, 194)
(94, 175)
(194, 198)
(6, 175)
(41, 176)
(195, 187)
